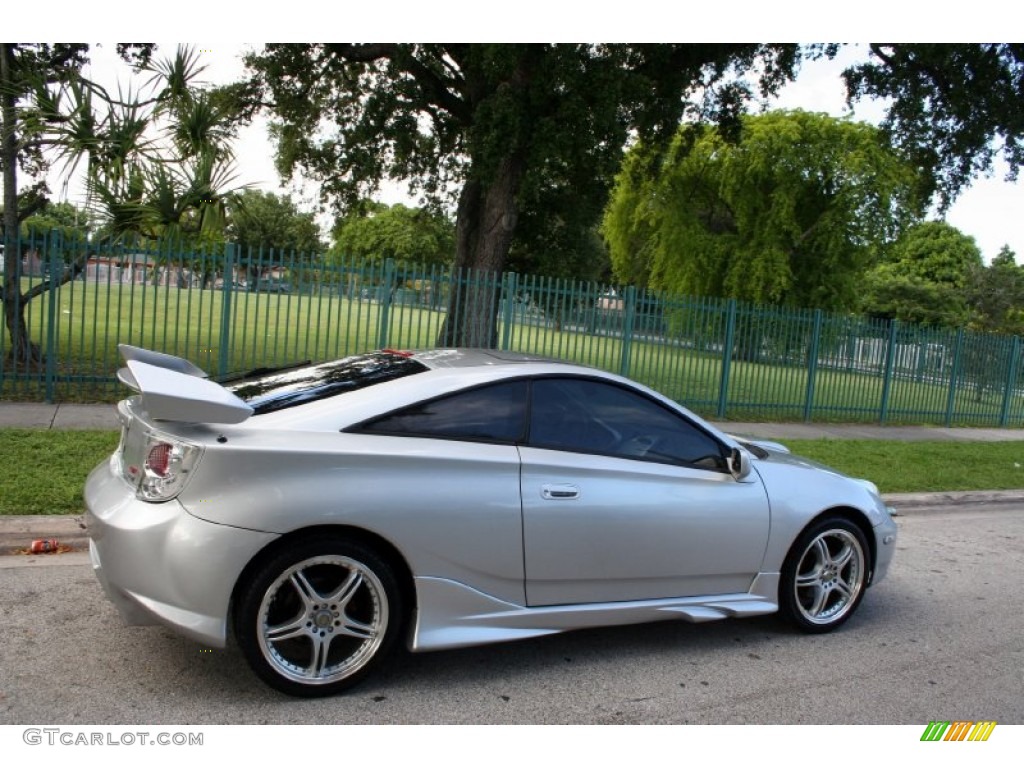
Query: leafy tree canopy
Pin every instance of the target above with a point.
(996, 295)
(791, 213)
(437, 115)
(937, 252)
(265, 220)
(510, 130)
(411, 235)
(557, 232)
(71, 222)
(552, 247)
(500, 126)
(890, 295)
(953, 107)
(926, 279)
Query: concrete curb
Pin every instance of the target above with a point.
(18, 531)
(905, 502)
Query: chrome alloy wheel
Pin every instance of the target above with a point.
(323, 619)
(830, 575)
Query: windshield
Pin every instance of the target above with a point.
(284, 389)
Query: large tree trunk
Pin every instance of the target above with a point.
(22, 352)
(484, 227)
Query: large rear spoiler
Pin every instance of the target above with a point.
(173, 389)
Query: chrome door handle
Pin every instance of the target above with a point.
(560, 491)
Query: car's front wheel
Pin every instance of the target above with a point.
(318, 616)
(825, 575)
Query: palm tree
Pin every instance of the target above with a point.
(173, 176)
(155, 166)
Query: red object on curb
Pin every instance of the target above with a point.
(42, 546)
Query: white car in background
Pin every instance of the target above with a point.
(451, 498)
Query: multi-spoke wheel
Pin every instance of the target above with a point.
(825, 574)
(317, 616)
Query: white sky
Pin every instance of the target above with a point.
(990, 210)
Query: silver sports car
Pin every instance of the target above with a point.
(451, 498)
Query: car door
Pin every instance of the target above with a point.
(625, 499)
(451, 464)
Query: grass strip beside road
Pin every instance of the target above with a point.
(920, 467)
(44, 470)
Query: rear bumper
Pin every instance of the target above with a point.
(161, 565)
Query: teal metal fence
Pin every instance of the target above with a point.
(234, 310)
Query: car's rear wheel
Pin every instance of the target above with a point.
(318, 616)
(824, 576)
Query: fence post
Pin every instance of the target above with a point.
(227, 286)
(508, 316)
(54, 263)
(890, 360)
(629, 312)
(951, 397)
(812, 365)
(387, 289)
(730, 337)
(1011, 382)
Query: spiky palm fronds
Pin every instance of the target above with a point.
(162, 168)
(200, 125)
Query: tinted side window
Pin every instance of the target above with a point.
(587, 416)
(495, 413)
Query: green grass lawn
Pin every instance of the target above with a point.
(45, 470)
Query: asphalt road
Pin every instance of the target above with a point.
(940, 638)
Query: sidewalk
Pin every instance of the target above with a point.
(103, 416)
(60, 416)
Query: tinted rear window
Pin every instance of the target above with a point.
(284, 389)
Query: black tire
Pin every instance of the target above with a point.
(825, 575)
(318, 616)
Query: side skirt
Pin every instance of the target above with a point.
(453, 615)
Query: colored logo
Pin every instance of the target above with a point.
(958, 730)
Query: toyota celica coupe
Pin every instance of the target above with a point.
(449, 498)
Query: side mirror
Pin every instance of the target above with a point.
(739, 463)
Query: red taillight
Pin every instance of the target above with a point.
(158, 465)
(159, 459)
(398, 352)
